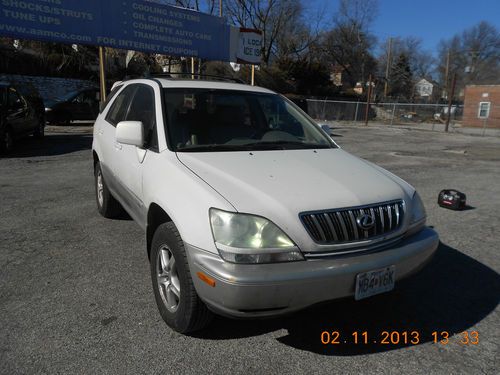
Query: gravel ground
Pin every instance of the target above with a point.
(75, 293)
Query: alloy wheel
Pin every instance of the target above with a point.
(168, 279)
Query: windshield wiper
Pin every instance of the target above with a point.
(284, 145)
(207, 148)
(277, 145)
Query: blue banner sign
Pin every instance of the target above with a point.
(125, 24)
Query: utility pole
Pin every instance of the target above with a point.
(387, 67)
(453, 83)
(102, 74)
(446, 72)
(369, 94)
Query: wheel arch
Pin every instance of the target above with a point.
(156, 217)
(95, 157)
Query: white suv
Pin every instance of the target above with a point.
(250, 209)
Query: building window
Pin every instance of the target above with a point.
(484, 110)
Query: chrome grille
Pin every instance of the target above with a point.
(339, 225)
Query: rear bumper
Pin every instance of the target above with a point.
(274, 289)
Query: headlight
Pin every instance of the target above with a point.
(47, 109)
(243, 238)
(418, 215)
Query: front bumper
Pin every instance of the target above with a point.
(243, 290)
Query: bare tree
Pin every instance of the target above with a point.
(421, 62)
(272, 17)
(349, 43)
(474, 55)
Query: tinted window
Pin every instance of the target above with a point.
(14, 100)
(142, 108)
(3, 94)
(110, 96)
(119, 108)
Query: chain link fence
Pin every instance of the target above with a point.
(389, 113)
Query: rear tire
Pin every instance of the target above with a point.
(107, 205)
(7, 141)
(176, 298)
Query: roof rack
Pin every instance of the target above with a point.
(211, 77)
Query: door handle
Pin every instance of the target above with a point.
(118, 146)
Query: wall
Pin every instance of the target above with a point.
(474, 94)
(50, 88)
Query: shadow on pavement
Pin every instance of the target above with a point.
(453, 293)
(50, 145)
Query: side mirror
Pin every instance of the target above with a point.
(130, 133)
(326, 129)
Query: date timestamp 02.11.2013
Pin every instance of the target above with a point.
(398, 338)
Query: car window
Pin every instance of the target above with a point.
(3, 93)
(207, 120)
(119, 108)
(142, 108)
(14, 100)
(110, 96)
(80, 98)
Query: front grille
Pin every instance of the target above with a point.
(340, 226)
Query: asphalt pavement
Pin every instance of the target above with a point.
(75, 290)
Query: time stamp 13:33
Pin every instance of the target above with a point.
(398, 338)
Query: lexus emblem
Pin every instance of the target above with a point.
(365, 221)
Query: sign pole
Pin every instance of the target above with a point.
(192, 67)
(253, 75)
(102, 74)
(368, 97)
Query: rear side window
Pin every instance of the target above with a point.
(142, 108)
(14, 100)
(110, 96)
(119, 108)
(3, 94)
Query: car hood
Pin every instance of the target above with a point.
(280, 183)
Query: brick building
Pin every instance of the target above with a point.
(482, 106)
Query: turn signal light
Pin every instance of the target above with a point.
(206, 279)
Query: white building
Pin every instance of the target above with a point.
(423, 88)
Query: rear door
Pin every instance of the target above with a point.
(105, 134)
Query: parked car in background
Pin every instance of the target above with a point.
(21, 114)
(82, 105)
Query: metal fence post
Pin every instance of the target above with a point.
(435, 111)
(356, 114)
(324, 105)
(485, 122)
(393, 111)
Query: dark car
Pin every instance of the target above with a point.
(77, 105)
(21, 113)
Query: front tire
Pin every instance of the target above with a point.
(107, 205)
(39, 132)
(176, 298)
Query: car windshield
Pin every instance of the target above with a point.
(68, 97)
(207, 120)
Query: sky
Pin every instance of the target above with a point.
(430, 20)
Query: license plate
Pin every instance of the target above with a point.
(374, 282)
